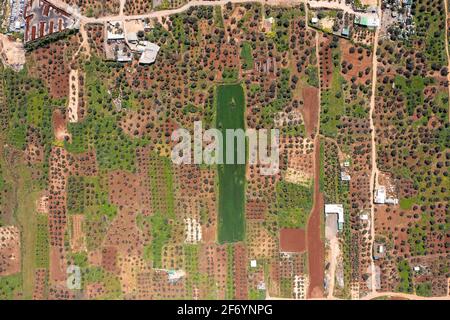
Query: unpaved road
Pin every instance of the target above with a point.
(374, 172)
(163, 13)
(334, 253)
(332, 5)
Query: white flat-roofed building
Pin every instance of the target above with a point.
(149, 52)
(337, 209)
(380, 195)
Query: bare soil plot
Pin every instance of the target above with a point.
(292, 240)
(10, 257)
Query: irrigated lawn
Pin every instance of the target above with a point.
(230, 103)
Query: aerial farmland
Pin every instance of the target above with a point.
(105, 193)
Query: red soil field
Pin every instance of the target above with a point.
(310, 109)
(314, 240)
(292, 240)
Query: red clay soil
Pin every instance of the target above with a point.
(310, 109)
(314, 240)
(292, 240)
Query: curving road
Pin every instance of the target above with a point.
(162, 13)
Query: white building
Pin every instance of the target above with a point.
(345, 176)
(337, 209)
(149, 52)
(380, 197)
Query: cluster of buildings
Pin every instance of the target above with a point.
(341, 24)
(43, 19)
(16, 20)
(399, 18)
(124, 39)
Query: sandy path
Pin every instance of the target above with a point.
(332, 5)
(122, 5)
(163, 13)
(315, 244)
(334, 254)
(72, 109)
(374, 172)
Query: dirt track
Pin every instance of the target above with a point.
(374, 172)
(314, 241)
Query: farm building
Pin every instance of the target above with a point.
(149, 52)
(380, 197)
(369, 21)
(337, 209)
(345, 32)
(379, 251)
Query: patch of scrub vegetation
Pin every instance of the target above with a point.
(404, 271)
(312, 76)
(407, 203)
(160, 231)
(195, 278)
(161, 185)
(29, 111)
(330, 171)
(255, 294)
(42, 243)
(111, 283)
(230, 106)
(286, 287)
(429, 19)
(230, 75)
(10, 286)
(417, 235)
(332, 100)
(424, 289)
(293, 204)
(79, 259)
(218, 18)
(98, 211)
(282, 98)
(100, 128)
(229, 293)
(247, 56)
(283, 18)
(412, 90)
(75, 195)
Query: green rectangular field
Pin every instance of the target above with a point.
(230, 104)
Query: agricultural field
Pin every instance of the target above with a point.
(95, 205)
(230, 107)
